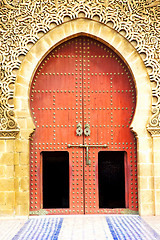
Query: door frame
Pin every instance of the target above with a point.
(126, 175)
(133, 60)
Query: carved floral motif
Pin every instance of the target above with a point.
(22, 23)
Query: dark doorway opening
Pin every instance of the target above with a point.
(111, 175)
(55, 179)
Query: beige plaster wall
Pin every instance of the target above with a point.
(17, 183)
(7, 189)
(156, 173)
(14, 177)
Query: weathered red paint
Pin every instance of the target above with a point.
(83, 80)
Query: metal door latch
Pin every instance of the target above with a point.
(88, 162)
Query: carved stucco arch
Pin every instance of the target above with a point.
(126, 51)
(106, 35)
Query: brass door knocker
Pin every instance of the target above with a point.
(79, 130)
(87, 130)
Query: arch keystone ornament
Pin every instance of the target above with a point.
(110, 37)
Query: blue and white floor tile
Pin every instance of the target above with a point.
(89, 228)
(9, 227)
(110, 227)
(130, 228)
(40, 228)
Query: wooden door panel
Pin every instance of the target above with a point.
(56, 103)
(82, 81)
(109, 108)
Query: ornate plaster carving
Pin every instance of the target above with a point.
(22, 23)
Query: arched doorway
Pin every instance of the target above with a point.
(83, 155)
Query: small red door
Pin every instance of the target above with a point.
(83, 154)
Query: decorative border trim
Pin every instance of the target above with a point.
(8, 134)
(38, 212)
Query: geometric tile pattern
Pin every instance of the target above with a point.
(130, 227)
(40, 228)
(87, 228)
(9, 227)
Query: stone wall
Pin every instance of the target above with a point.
(14, 177)
(7, 187)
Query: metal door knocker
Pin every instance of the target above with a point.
(87, 130)
(79, 130)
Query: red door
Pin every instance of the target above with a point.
(82, 153)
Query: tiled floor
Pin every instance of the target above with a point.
(154, 222)
(81, 228)
(9, 227)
